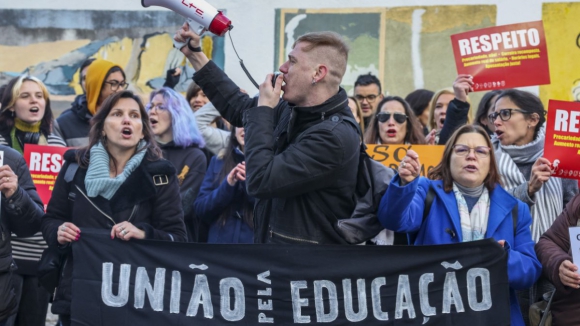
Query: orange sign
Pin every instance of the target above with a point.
(392, 155)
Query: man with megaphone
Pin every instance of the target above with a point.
(301, 156)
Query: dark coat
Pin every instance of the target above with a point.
(191, 164)
(21, 214)
(149, 203)
(73, 125)
(215, 197)
(301, 162)
(552, 249)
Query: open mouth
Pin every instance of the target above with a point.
(442, 121)
(34, 109)
(391, 132)
(471, 168)
(127, 131)
(153, 121)
(499, 133)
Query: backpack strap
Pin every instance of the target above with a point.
(69, 175)
(411, 236)
(428, 202)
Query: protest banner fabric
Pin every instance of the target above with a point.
(505, 56)
(166, 283)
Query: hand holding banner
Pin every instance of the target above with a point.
(503, 56)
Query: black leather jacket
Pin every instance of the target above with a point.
(301, 162)
(21, 214)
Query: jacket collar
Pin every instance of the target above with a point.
(302, 115)
(501, 204)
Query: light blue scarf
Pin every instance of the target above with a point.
(98, 182)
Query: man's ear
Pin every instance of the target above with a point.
(319, 73)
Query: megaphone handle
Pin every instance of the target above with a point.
(196, 27)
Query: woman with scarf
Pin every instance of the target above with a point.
(223, 203)
(468, 204)
(519, 119)
(175, 129)
(26, 118)
(121, 184)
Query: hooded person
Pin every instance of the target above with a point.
(103, 78)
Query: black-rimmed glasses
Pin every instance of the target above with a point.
(370, 98)
(115, 85)
(463, 150)
(504, 114)
(385, 116)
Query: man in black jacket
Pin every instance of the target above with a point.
(301, 156)
(21, 212)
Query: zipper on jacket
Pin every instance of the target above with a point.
(95, 206)
(133, 212)
(291, 238)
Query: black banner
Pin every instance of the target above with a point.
(164, 283)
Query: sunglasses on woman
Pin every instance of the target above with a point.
(386, 116)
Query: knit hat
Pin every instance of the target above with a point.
(95, 78)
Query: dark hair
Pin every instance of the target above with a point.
(368, 79)
(527, 102)
(414, 133)
(419, 100)
(483, 108)
(98, 123)
(228, 157)
(443, 170)
(192, 91)
(10, 95)
(113, 70)
(86, 63)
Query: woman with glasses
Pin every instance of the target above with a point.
(26, 118)
(175, 129)
(468, 204)
(103, 78)
(519, 119)
(395, 123)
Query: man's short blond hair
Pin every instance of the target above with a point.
(330, 49)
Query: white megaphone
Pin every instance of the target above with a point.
(200, 15)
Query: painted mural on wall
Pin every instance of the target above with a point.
(407, 47)
(52, 44)
(563, 39)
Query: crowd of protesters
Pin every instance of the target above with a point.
(220, 166)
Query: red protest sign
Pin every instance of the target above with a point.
(562, 145)
(503, 56)
(44, 163)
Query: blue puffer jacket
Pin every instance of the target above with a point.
(401, 210)
(216, 196)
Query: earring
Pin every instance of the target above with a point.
(528, 126)
(313, 81)
(12, 114)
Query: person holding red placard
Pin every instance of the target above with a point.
(519, 119)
